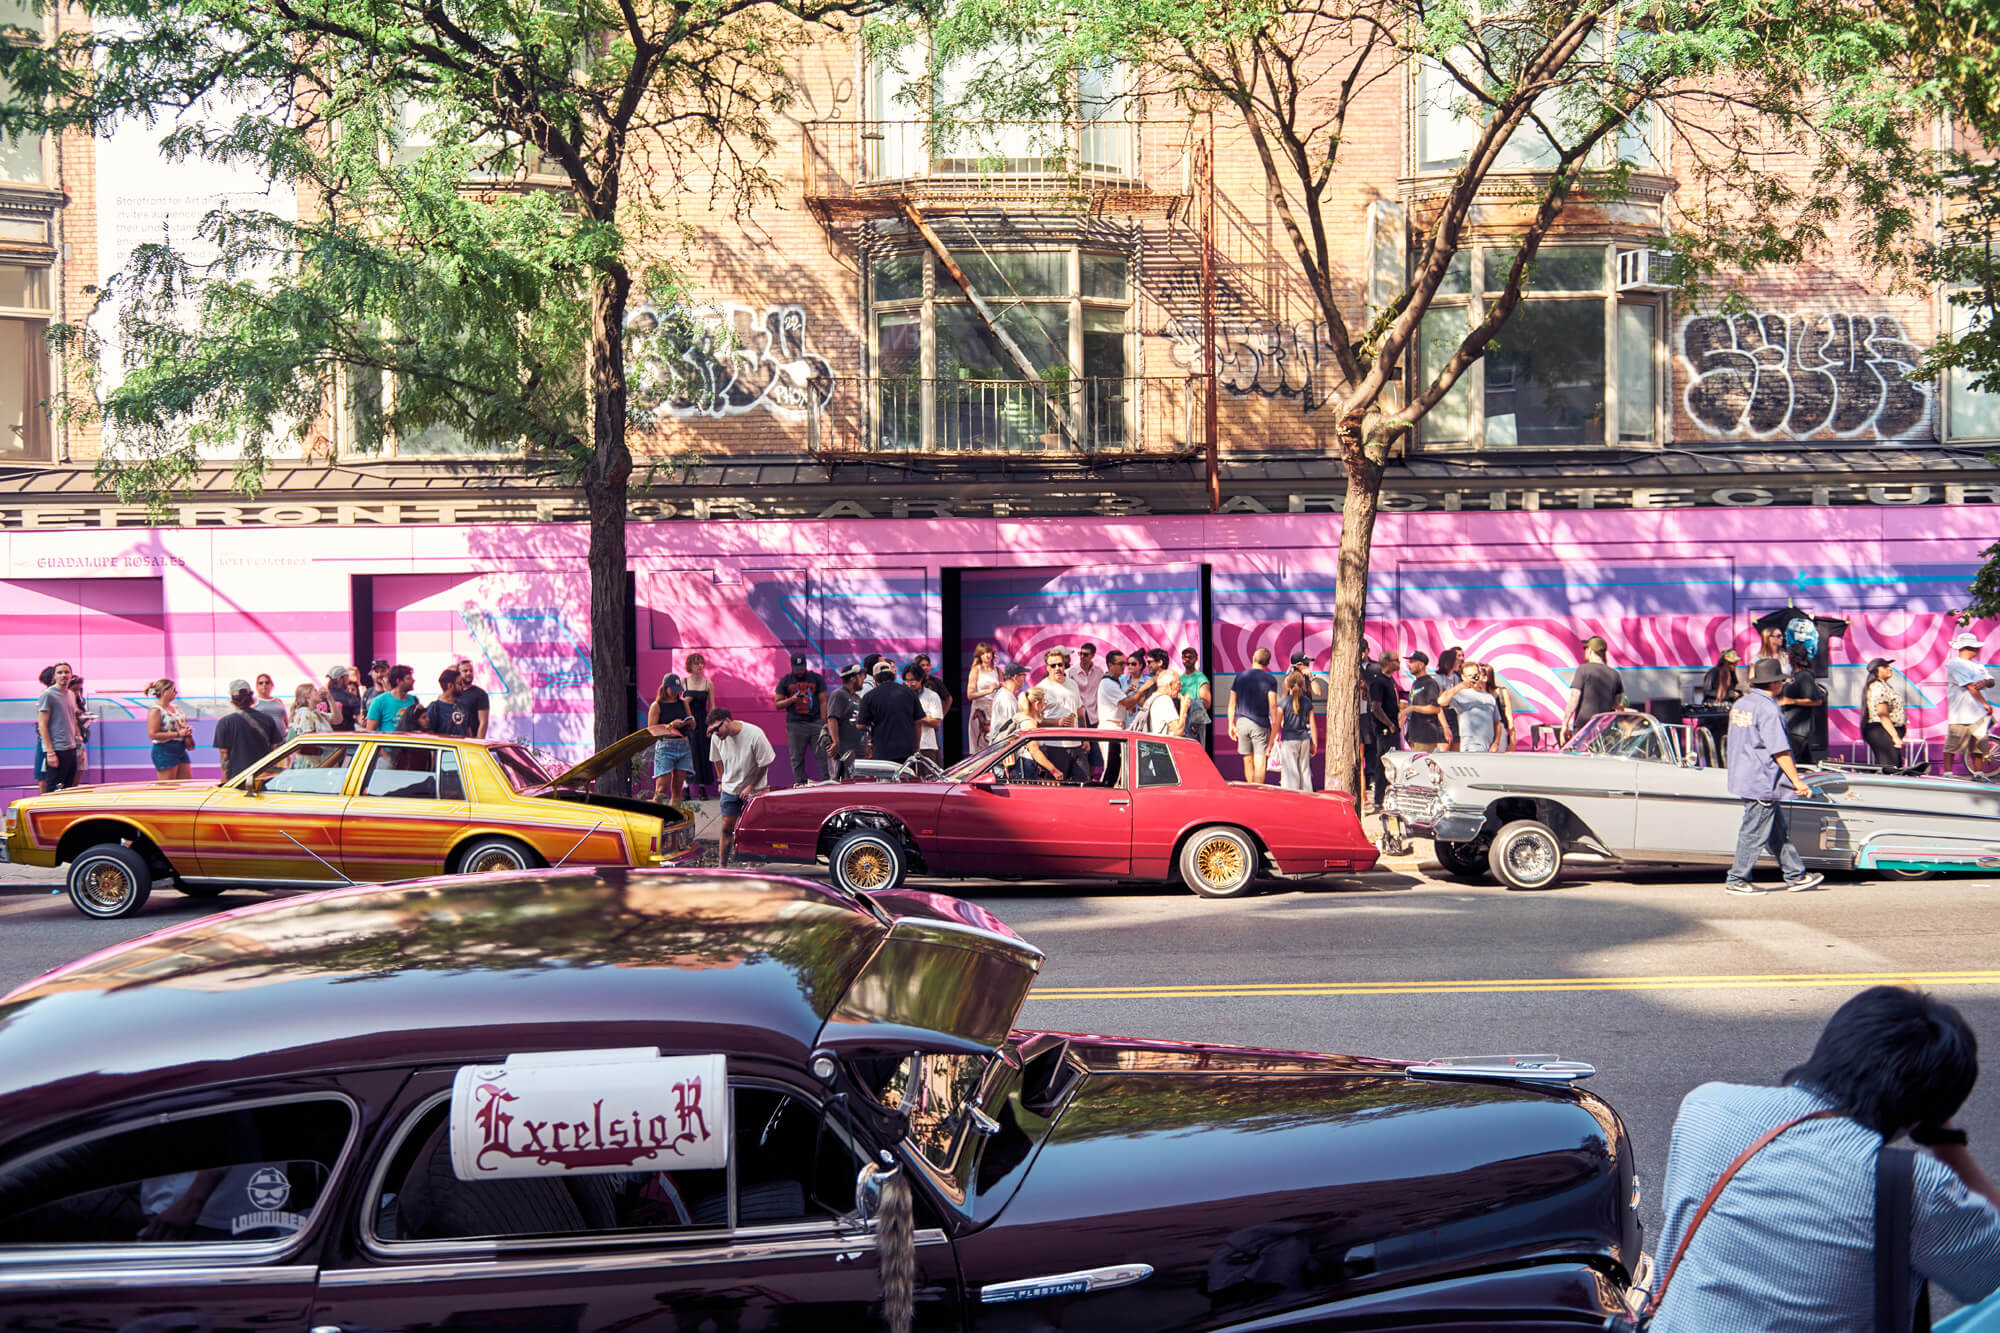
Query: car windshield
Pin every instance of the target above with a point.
(965, 769)
(523, 771)
(1623, 736)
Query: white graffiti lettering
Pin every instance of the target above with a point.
(1276, 361)
(1801, 375)
(723, 360)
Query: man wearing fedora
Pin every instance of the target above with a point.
(1763, 776)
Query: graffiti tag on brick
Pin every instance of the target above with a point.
(1803, 374)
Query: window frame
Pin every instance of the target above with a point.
(1138, 770)
(936, 289)
(222, 1251)
(708, 1238)
(348, 770)
(381, 747)
(1473, 382)
(1956, 320)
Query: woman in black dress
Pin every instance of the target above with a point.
(698, 688)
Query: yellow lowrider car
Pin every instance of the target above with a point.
(340, 808)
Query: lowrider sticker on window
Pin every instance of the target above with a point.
(589, 1113)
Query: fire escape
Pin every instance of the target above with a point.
(949, 192)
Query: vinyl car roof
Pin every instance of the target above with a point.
(448, 970)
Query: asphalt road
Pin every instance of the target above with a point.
(1662, 982)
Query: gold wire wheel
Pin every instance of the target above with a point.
(867, 867)
(1219, 861)
(107, 885)
(495, 859)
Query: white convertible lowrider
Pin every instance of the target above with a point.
(1635, 790)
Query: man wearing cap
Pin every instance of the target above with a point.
(245, 735)
(801, 697)
(742, 756)
(1063, 704)
(1006, 720)
(1762, 776)
(890, 712)
(1967, 713)
(1595, 688)
(343, 701)
(843, 723)
(1423, 716)
(378, 680)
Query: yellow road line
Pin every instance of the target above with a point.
(1504, 985)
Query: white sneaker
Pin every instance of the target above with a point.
(1805, 885)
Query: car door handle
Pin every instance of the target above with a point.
(1120, 800)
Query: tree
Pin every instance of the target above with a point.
(1953, 58)
(420, 284)
(1772, 124)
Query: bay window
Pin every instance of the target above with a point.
(1575, 362)
(25, 382)
(1969, 413)
(948, 382)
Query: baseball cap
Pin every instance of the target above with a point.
(1013, 670)
(238, 686)
(334, 673)
(798, 659)
(851, 669)
(1877, 664)
(671, 681)
(378, 662)
(1300, 659)
(1966, 640)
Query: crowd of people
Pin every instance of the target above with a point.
(258, 720)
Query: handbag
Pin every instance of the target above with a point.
(1895, 1172)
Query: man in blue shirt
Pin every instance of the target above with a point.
(1762, 776)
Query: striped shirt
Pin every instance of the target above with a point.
(1790, 1243)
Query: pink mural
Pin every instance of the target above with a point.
(1668, 589)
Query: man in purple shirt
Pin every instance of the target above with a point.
(1762, 776)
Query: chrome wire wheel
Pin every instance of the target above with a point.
(492, 855)
(1220, 861)
(108, 886)
(866, 866)
(1526, 855)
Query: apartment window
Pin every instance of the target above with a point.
(23, 157)
(24, 361)
(1574, 361)
(951, 138)
(24, 19)
(1448, 119)
(948, 382)
(1969, 413)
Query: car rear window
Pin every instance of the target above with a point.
(249, 1175)
(1156, 765)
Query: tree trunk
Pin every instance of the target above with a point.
(1350, 610)
(606, 485)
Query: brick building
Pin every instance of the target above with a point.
(882, 470)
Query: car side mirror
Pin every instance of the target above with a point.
(868, 1190)
(256, 783)
(985, 779)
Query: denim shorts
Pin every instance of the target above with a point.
(732, 805)
(670, 755)
(169, 754)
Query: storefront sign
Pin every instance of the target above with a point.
(589, 1112)
(1065, 501)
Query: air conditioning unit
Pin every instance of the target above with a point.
(1645, 270)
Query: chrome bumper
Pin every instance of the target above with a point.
(1428, 814)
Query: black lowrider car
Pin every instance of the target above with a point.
(661, 1100)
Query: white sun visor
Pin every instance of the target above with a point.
(579, 1113)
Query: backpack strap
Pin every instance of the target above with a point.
(1714, 1192)
(1895, 1206)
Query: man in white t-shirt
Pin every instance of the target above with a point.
(1062, 706)
(931, 725)
(1967, 714)
(742, 756)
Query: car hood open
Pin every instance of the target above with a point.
(1255, 1182)
(586, 772)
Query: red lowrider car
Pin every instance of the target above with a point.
(1161, 811)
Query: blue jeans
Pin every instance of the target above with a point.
(1766, 824)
